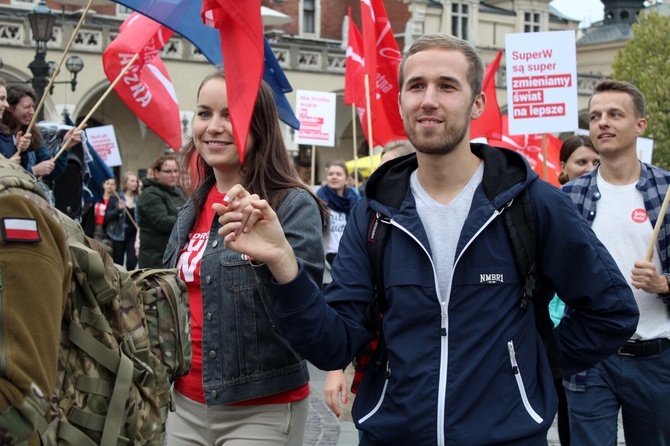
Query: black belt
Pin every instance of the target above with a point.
(644, 348)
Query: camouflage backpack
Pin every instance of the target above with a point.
(121, 345)
(166, 309)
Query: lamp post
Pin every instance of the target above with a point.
(41, 23)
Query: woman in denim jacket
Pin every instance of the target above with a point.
(246, 382)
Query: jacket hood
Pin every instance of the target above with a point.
(506, 173)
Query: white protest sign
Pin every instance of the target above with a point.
(541, 82)
(103, 140)
(645, 149)
(316, 113)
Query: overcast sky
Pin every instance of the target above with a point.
(588, 11)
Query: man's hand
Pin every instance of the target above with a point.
(645, 277)
(251, 227)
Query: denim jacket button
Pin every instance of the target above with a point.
(208, 279)
(213, 393)
(215, 243)
(209, 316)
(212, 354)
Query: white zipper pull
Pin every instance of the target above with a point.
(443, 313)
(512, 357)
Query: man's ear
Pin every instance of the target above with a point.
(478, 105)
(640, 126)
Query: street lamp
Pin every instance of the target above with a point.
(42, 23)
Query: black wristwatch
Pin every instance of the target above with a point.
(667, 278)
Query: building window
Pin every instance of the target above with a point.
(123, 10)
(459, 20)
(309, 16)
(531, 22)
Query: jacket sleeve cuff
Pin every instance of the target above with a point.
(296, 293)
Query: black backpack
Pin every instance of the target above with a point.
(519, 224)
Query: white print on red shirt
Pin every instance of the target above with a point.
(190, 257)
(639, 215)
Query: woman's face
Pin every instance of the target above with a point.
(168, 174)
(131, 183)
(336, 178)
(23, 111)
(583, 160)
(213, 130)
(109, 186)
(3, 100)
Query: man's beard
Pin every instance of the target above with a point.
(441, 145)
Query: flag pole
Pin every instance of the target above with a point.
(132, 220)
(97, 104)
(55, 73)
(353, 122)
(369, 118)
(313, 163)
(544, 157)
(657, 227)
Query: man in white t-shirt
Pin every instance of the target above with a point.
(627, 195)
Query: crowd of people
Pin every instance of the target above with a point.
(462, 361)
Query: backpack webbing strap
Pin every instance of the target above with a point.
(122, 367)
(378, 233)
(70, 434)
(90, 261)
(520, 227)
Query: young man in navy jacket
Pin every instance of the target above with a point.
(465, 362)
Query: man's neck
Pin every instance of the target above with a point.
(620, 170)
(443, 177)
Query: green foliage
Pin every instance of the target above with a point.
(645, 63)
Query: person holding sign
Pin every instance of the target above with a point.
(621, 200)
(464, 363)
(246, 386)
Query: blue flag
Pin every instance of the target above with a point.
(183, 17)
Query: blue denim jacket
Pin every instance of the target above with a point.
(245, 355)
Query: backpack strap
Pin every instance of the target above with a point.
(520, 227)
(378, 233)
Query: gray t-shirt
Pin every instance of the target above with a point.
(443, 224)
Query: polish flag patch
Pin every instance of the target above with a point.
(20, 230)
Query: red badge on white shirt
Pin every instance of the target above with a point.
(639, 215)
(20, 230)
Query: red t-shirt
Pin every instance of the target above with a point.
(189, 271)
(100, 209)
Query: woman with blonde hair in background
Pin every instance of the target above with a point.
(121, 221)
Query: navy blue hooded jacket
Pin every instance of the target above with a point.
(465, 365)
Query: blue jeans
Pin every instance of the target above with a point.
(640, 386)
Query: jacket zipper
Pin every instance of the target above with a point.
(519, 382)
(381, 398)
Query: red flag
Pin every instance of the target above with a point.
(489, 124)
(241, 32)
(354, 91)
(382, 59)
(146, 88)
(530, 146)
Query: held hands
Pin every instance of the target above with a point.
(645, 277)
(251, 227)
